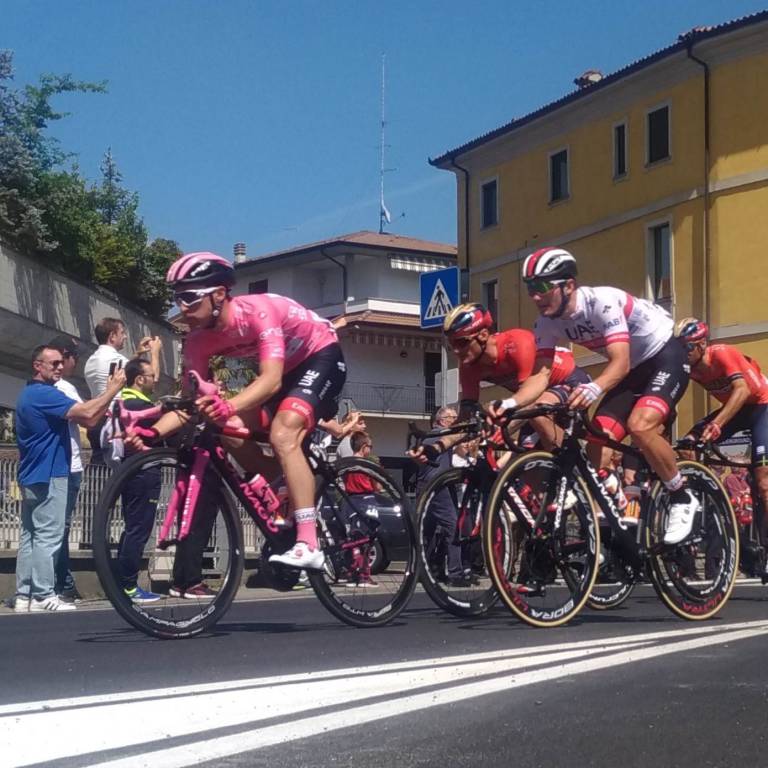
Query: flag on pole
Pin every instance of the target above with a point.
(387, 216)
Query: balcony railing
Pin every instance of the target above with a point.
(390, 398)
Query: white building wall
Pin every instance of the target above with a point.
(383, 365)
(389, 435)
(399, 284)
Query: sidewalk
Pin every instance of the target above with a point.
(244, 595)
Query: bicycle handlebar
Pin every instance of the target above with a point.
(710, 451)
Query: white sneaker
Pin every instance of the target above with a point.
(50, 604)
(21, 605)
(301, 556)
(680, 521)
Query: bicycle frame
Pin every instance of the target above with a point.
(204, 451)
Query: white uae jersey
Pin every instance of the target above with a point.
(605, 316)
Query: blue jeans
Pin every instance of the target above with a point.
(43, 510)
(65, 581)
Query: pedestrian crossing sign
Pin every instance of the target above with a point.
(439, 295)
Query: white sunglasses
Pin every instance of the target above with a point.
(193, 296)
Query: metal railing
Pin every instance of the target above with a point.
(94, 479)
(390, 398)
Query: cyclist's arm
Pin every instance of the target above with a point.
(618, 366)
(739, 395)
(266, 384)
(90, 413)
(536, 384)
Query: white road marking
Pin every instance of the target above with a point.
(77, 727)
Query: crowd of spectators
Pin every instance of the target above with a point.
(49, 414)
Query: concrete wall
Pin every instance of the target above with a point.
(37, 303)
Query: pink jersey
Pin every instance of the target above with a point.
(265, 326)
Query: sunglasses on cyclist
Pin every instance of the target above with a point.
(193, 296)
(461, 343)
(542, 286)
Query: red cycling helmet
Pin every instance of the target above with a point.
(201, 269)
(691, 329)
(466, 320)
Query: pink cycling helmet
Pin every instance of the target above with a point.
(200, 269)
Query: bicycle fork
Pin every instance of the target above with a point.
(185, 494)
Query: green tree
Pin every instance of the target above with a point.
(93, 232)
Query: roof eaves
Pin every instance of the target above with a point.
(684, 41)
(346, 241)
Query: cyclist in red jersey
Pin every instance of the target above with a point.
(301, 374)
(505, 358)
(738, 383)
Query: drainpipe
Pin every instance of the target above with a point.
(707, 239)
(343, 268)
(465, 271)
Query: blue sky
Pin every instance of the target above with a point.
(258, 121)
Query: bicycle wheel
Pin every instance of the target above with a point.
(543, 564)
(451, 563)
(369, 541)
(126, 529)
(694, 579)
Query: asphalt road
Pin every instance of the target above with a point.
(281, 683)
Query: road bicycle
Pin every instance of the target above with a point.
(450, 511)
(197, 528)
(752, 554)
(542, 536)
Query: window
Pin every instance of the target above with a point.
(660, 265)
(558, 176)
(491, 301)
(258, 286)
(489, 200)
(657, 130)
(619, 150)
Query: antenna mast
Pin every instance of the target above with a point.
(384, 215)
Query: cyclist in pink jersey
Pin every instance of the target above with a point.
(638, 389)
(301, 374)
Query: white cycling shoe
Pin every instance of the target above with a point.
(300, 556)
(680, 521)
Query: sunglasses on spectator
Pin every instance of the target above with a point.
(193, 296)
(542, 286)
(52, 363)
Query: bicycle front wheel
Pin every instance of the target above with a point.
(128, 553)
(694, 579)
(541, 545)
(369, 542)
(449, 516)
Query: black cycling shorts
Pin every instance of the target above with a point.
(313, 387)
(753, 418)
(657, 383)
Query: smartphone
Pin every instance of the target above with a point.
(114, 365)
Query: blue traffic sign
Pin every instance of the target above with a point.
(439, 295)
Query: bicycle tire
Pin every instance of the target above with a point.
(345, 586)
(544, 577)
(714, 544)
(464, 602)
(168, 618)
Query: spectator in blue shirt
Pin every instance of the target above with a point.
(43, 414)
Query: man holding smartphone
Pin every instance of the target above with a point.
(111, 335)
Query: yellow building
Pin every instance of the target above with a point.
(655, 177)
